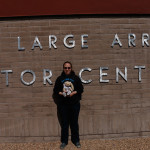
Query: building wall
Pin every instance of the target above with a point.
(28, 113)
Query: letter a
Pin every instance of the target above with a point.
(116, 41)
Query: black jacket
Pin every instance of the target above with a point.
(59, 85)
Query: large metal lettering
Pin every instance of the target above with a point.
(28, 71)
(47, 78)
(36, 43)
(116, 41)
(52, 42)
(131, 39)
(124, 76)
(80, 75)
(140, 71)
(84, 41)
(47, 75)
(103, 74)
(145, 40)
(71, 43)
(20, 48)
(6, 72)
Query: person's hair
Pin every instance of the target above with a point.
(67, 62)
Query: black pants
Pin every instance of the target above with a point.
(68, 116)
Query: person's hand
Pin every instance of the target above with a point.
(73, 93)
(60, 93)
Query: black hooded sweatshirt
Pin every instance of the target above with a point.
(59, 85)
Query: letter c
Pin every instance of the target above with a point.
(80, 75)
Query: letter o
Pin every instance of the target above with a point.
(28, 71)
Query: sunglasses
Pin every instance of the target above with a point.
(67, 67)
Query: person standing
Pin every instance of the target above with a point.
(68, 90)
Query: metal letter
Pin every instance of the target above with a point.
(145, 40)
(80, 75)
(6, 72)
(28, 71)
(84, 41)
(116, 41)
(131, 40)
(140, 71)
(103, 74)
(20, 48)
(70, 42)
(52, 43)
(124, 76)
(47, 77)
(36, 43)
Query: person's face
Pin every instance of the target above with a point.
(67, 68)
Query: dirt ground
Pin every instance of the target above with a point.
(97, 144)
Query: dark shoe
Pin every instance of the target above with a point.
(78, 145)
(63, 145)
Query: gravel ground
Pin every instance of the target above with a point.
(113, 144)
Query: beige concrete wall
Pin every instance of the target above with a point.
(28, 113)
